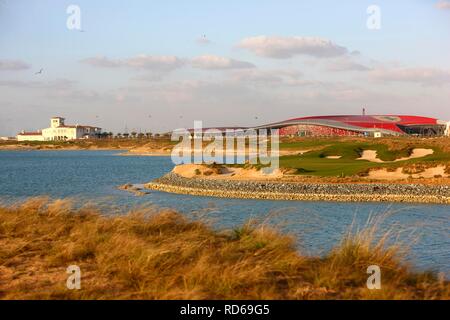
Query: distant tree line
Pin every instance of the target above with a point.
(132, 135)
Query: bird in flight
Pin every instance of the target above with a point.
(40, 71)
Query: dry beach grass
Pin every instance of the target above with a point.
(160, 254)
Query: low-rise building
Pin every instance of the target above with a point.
(59, 131)
(8, 138)
(30, 136)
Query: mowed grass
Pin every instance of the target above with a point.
(154, 254)
(316, 163)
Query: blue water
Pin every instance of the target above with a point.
(94, 175)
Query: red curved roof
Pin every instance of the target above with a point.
(388, 122)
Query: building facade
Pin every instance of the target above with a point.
(361, 125)
(8, 138)
(59, 131)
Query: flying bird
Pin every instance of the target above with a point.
(40, 71)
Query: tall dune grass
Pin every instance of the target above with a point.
(160, 254)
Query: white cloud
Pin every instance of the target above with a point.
(287, 47)
(54, 84)
(424, 76)
(346, 65)
(59, 88)
(443, 5)
(159, 63)
(211, 62)
(268, 77)
(149, 77)
(102, 62)
(155, 63)
(13, 65)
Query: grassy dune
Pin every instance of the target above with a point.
(151, 254)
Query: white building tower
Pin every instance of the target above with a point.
(57, 122)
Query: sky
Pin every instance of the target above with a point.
(153, 66)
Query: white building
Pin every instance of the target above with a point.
(447, 129)
(8, 138)
(59, 131)
(30, 136)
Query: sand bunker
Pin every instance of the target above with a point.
(418, 153)
(371, 155)
(398, 174)
(334, 157)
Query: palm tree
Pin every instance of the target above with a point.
(149, 135)
(119, 135)
(126, 135)
(140, 135)
(133, 134)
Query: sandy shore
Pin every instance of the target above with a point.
(19, 147)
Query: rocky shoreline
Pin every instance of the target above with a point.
(279, 190)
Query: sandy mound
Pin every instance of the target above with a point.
(195, 170)
(334, 157)
(222, 172)
(383, 174)
(149, 149)
(240, 173)
(371, 155)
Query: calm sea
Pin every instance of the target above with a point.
(318, 226)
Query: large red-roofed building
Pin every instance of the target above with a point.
(360, 125)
